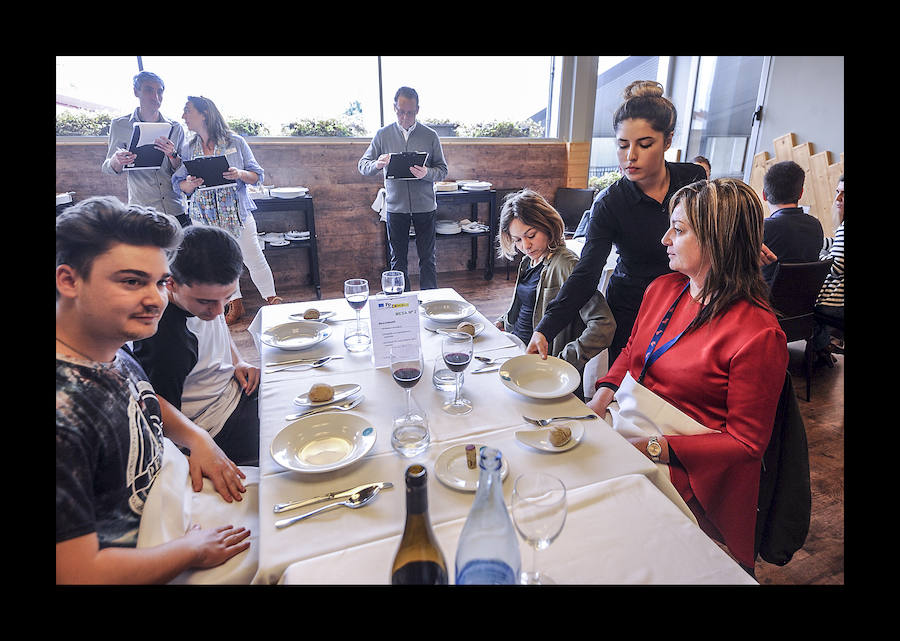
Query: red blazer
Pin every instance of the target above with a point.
(727, 375)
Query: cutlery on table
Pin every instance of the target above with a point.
(301, 360)
(343, 406)
(355, 500)
(492, 361)
(486, 368)
(309, 364)
(293, 505)
(543, 422)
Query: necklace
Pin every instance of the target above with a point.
(80, 353)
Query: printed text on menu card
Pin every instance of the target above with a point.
(395, 320)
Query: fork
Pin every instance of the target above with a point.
(314, 364)
(543, 422)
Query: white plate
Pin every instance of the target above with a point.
(532, 376)
(540, 438)
(477, 186)
(341, 392)
(452, 470)
(288, 192)
(322, 315)
(296, 335)
(447, 311)
(433, 326)
(323, 442)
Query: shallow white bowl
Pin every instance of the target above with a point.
(447, 311)
(323, 442)
(295, 335)
(534, 377)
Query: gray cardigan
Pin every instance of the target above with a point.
(407, 196)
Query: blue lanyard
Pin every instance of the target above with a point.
(652, 356)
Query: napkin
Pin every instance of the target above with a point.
(172, 507)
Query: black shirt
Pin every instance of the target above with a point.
(526, 292)
(624, 215)
(792, 235)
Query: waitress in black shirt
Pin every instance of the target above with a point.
(633, 213)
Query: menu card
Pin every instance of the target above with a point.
(395, 321)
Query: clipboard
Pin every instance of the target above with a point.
(210, 169)
(142, 136)
(398, 167)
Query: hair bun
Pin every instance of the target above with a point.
(642, 88)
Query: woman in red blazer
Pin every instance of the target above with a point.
(725, 367)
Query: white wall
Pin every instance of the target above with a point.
(805, 96)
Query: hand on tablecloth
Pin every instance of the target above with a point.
(210, 461)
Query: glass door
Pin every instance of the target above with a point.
(725, 114)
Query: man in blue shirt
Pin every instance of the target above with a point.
(790, 233)
(409, 200)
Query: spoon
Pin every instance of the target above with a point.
(349, 404)
(492, 361)
(355, 501)
(543, 422)
(316, 363)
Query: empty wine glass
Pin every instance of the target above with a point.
(392, 282)
(356, 291)
(456, 349)
(539, 513)
(410, 434)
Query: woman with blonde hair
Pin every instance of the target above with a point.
(229, 207)
(529, 224)
(632, 213)
(707, 359)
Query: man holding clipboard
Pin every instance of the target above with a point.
(150, 187)
(410, 187)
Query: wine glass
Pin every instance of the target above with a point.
(392, 282)
(410, 434)
(539, 513)
(456, 349)
(356, 291)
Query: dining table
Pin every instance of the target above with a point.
(626, 523)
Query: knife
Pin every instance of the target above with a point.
(489, 368)
(293, 505)
(298, 361)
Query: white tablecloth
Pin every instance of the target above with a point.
(602, 455)
(619, 531)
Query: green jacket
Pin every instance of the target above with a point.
(587, 334)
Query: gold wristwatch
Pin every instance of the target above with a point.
(654, 449)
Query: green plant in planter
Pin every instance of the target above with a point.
(599, 183)
(70, 123)
(504, 129)
(248, 127)
(324, 127)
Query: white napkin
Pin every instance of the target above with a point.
(172, 507)
(380, 204)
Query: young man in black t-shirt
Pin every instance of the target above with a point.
(111, 274)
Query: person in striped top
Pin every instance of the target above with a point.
(830, 302)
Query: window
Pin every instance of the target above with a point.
(722, 115)
(613, 75)
(504, 95)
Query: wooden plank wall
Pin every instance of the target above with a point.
(350, 235)
(821, 176)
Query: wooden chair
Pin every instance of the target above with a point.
(571, 205)
(793, 293)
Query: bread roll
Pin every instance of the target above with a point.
(321, 392)
(559, 436)
(311, 313)
(466, 327)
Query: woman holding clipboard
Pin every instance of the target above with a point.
(227, 206)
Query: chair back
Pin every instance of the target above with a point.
(571, 205)
(795, 287)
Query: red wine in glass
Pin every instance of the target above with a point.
(407, 377)
(457, 361)
(357, 302)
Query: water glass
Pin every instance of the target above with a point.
(443, 379)
(392, 282)
(539, 512)
(356, 337)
